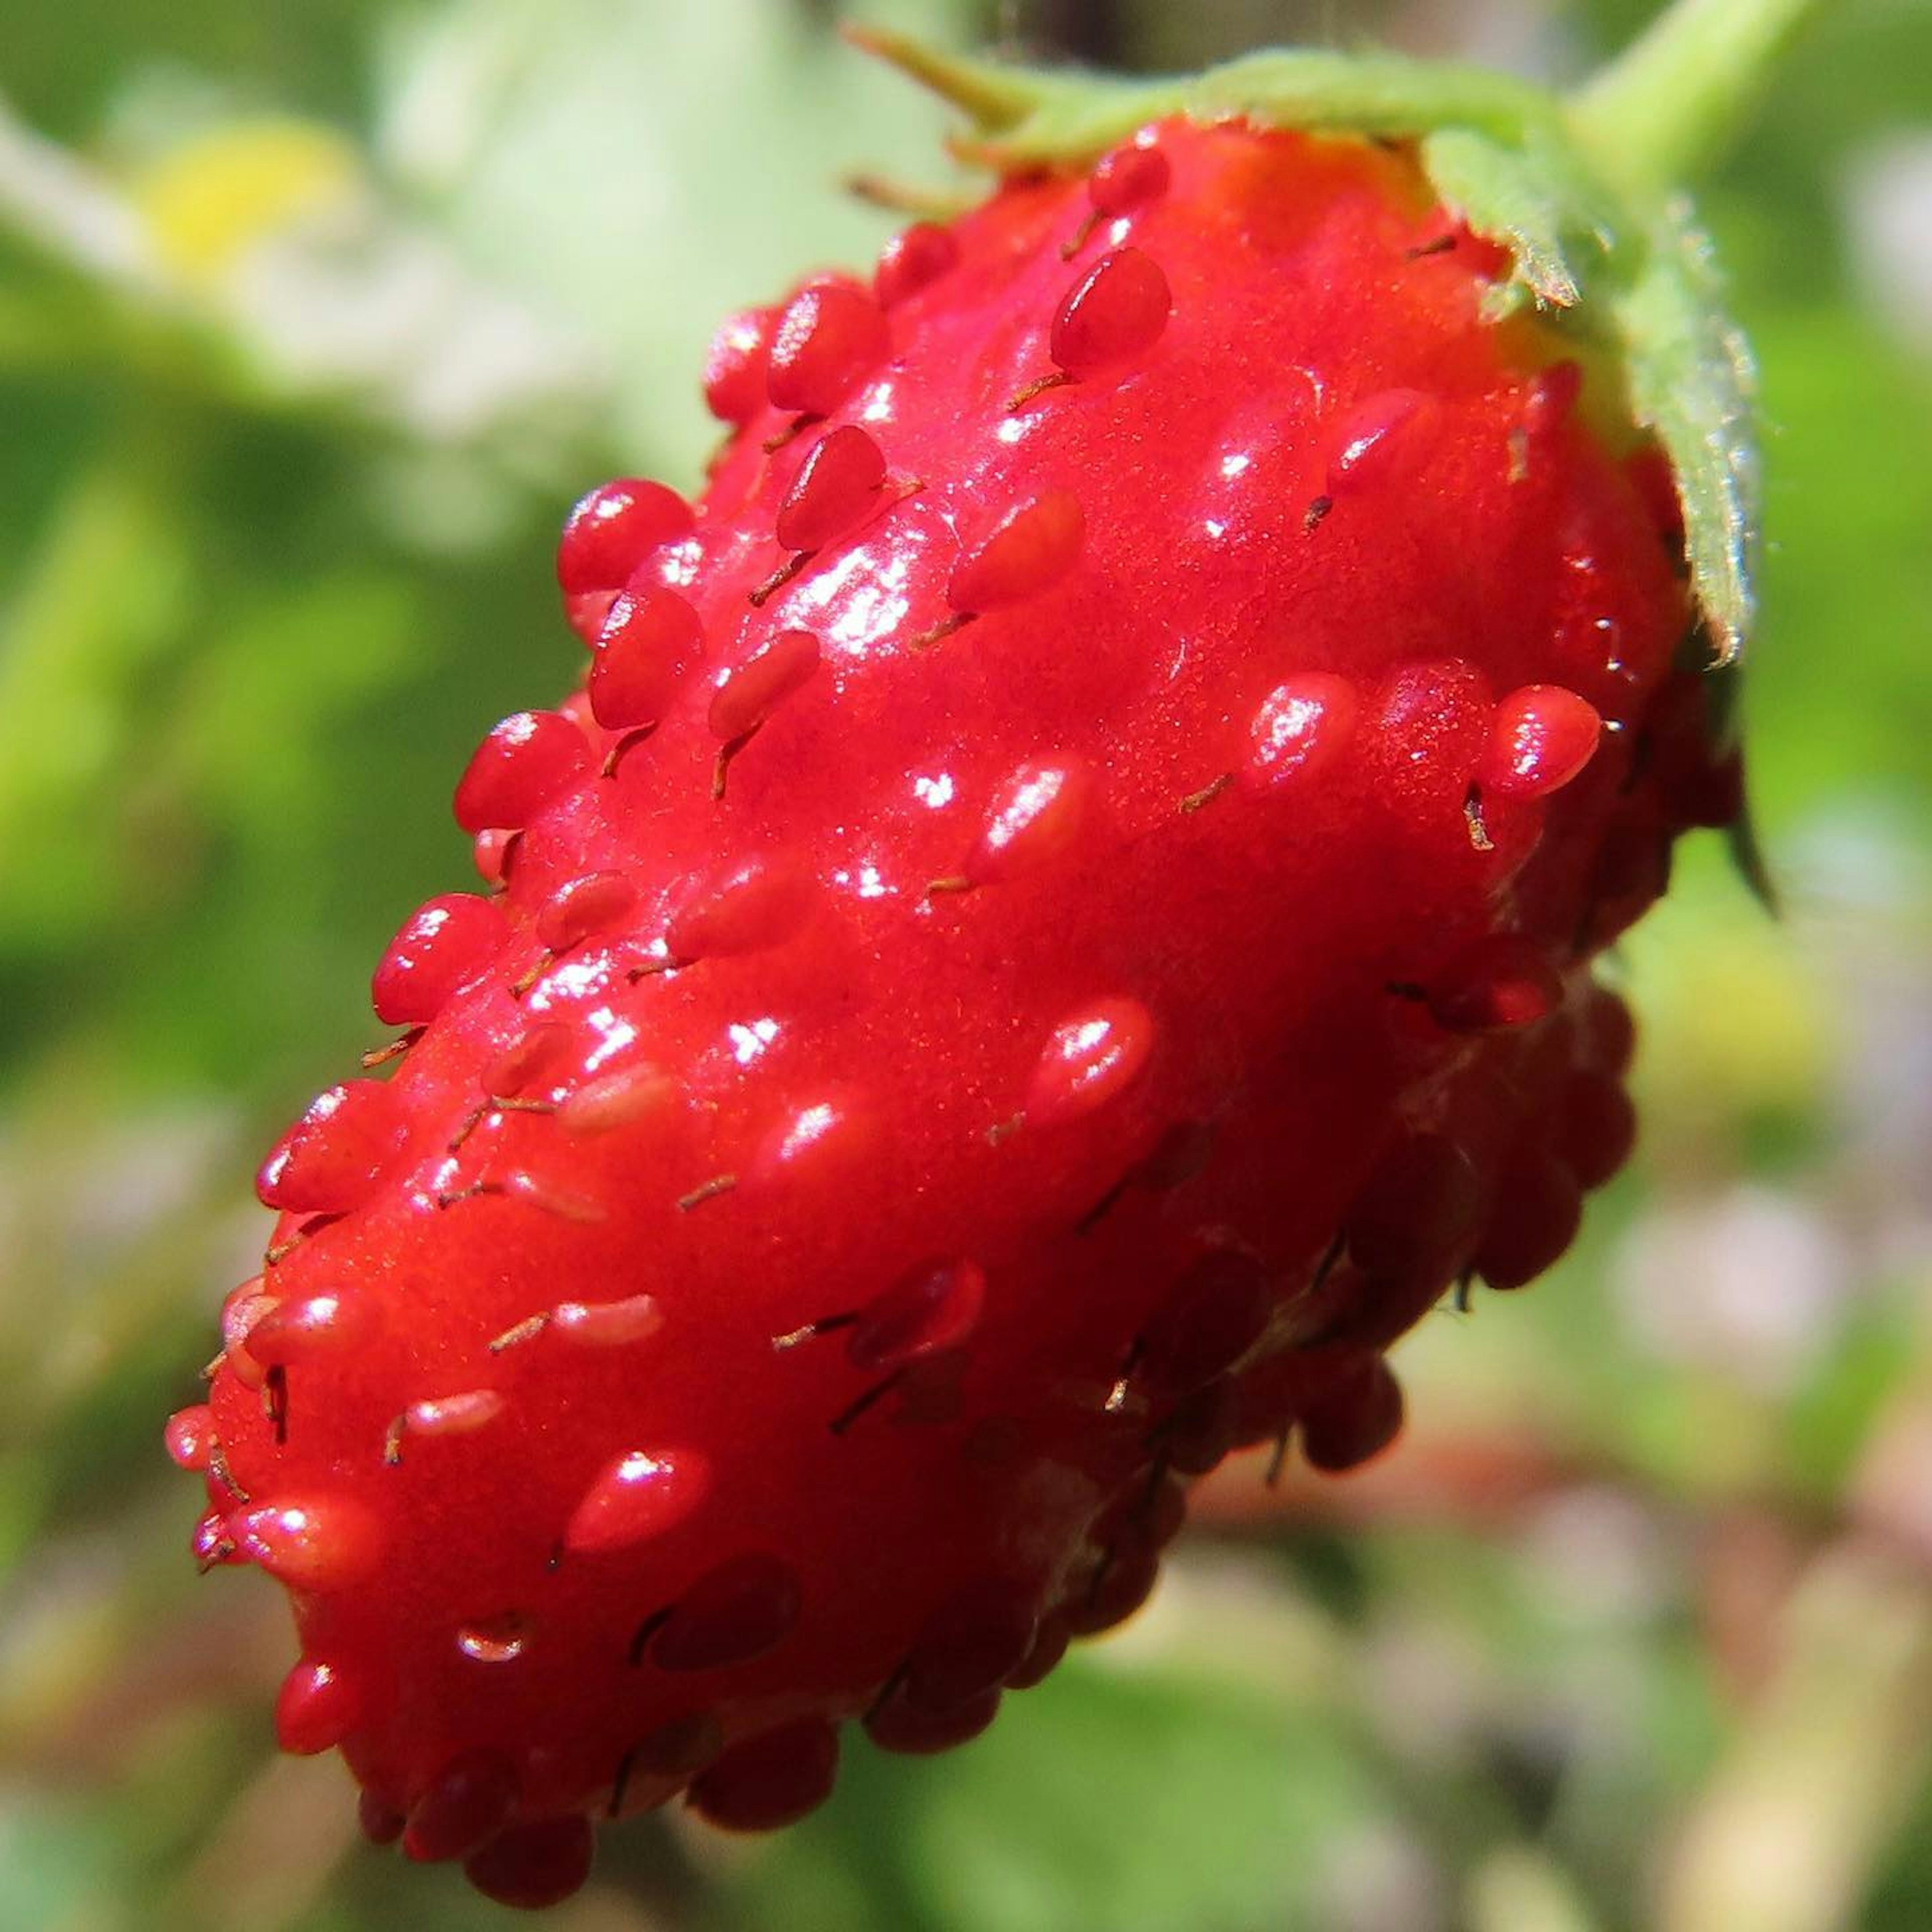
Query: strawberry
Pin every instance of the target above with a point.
(1059, 923)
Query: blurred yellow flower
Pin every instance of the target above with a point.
(208, 201)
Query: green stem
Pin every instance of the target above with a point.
(1665, 109)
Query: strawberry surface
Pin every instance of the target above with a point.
(1059, 925)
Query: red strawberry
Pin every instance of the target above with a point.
(1059, 927)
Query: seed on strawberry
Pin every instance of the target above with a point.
(612, 530)
(189, 1435)
(534, 1865)
(331, 1160)
(1114, 315)
(745, 1607)
(637, 1494)
(1032, 547)
(1124, 179)
(525, 762)
(734, 367)
(1092, 1055)
(912, 261)
(1033, 818)
(828, 341)
(445, 944)
(315, 1543)
(1543, 737)
(650, 642)
(316, 1709)
(768, 1780)
(1301, 726)
(753, 689)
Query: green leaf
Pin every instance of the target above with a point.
(1692, 380)
(1126, 1800)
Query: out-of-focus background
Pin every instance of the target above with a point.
(314, 315)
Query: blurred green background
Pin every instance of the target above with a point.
(314, 315)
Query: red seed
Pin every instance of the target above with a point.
(932, 1307)
(316, 1708)
(1502, 981)
(734, 366)
(244, 1306)
(914, 260)
(1118, 1590)
(535, 1865)
(587, 613)
(1542, 737)
(319, 1543)
(1380, 432)
(1597, 1128)
(1029, 551)
(443, 945)
(1299, 729)
(614, 529)
(1151, 1516)
(757, 904)
(190, 1436)
(538, 1060)
(582, 907)
(454, 1414)
(648, 646)
(898, 1725)
(1553, 394)
(331, 1160)
(528, 761)
(830, 338)
(737, 1612)
(1609, 1033)
(491, 850)
(608, 1325)
(766, 1781)
(470, 1802)
(1203, 1427)
(679, 1748)
(838, 485)
(1114, 315)
(1207, 1322)
(212, 1543)
(314, 1328)
(751, 691)
(1049, 1646)
(1354, 1418)
(1539, 1208)
(1093, 1055)
(617, 1097)
(971, 1644)
(1128, 177)
(1415, 1217)
(637, 1494)
(499, 1639)
(820, 1144)
(381, 1822)
(1033, 817)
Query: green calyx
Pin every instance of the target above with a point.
(1578, 189)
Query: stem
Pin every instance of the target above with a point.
(1669, 105)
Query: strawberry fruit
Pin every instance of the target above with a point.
(1059, 924)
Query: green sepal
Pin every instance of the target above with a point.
(1692, 381)
(1492, 185)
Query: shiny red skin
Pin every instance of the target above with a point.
(833, 1114)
